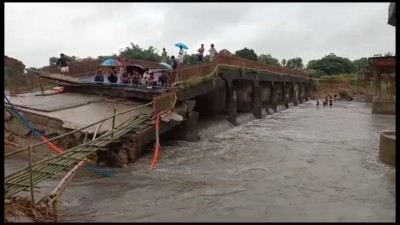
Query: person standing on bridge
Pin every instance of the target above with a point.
(174, 63)
(200, 54)
(213, 52)
(181, 55)
(64, 62)
(164, 56)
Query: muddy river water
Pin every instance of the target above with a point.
(302, 164)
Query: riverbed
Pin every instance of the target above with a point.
(300, 165)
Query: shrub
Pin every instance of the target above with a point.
(343, 93)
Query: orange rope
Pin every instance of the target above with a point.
(51, 145)
(157, 150)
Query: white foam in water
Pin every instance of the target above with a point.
(213, 126)
(208, 129)
(281, 108)
(270, 111)
(244, 118)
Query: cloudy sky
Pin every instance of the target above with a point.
(36, 31)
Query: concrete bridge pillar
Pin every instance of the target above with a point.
(301, 92)
(257, 102)
(232, 105)
(306, 92)
(286, 95)
(295, 94)
(188, 129)
(244, 94)
(274, 97)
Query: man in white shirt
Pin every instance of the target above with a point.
(213, 52)
(180, 55)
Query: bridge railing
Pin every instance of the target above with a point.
(197, 71)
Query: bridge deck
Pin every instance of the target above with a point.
(75, 110)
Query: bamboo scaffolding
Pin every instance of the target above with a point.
(46, 168)
(77, 130)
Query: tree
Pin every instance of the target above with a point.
(360, 64)
(247, 54)
(331, 64)
(283, 63)
(136, 52)
(295, 63)
(225, 51)
(388, 54)
(53, 61)
(268, 59)
(190, 59)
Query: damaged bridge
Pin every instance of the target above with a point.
(225, 86)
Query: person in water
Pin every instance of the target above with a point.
(99, 77)
(330, 102)
(317, 104)
(112, 75)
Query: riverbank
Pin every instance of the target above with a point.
(345, 84)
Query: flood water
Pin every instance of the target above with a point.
(302, 164)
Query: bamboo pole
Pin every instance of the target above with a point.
(113, 121)
(41, 85)
(84, 140)
(58, 190)
(55, 210)
(74, 131)
(31, 177)
(95, 133)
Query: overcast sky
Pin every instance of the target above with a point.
(36, 31)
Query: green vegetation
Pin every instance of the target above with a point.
(136, 52)
(247, 54)
(330, 65)
(225, 51)
(195, 82)
(343, 93)
(295, 63)
(317, 85)
(349, 78)
(268, 59)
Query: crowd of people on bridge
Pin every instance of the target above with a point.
(182, 54)
(149, 78)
